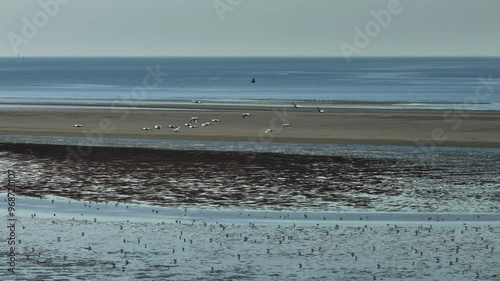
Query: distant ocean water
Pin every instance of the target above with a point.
(448, 80)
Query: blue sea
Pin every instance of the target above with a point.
(428, 80)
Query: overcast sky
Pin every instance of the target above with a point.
(252, 28)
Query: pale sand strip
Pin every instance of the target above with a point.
(370, 126)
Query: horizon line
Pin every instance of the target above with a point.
(256, 56)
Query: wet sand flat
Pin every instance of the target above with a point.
(404, 181)
(364, 126)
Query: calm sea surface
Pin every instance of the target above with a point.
(367, 79)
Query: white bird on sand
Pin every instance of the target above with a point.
(295, 105)
(172, 126)
(215, 120)
(245, 115)
(192, 126)
(320, 110)
(206, 124)
(158, 127)
(286, 125)
(176, 130)
(146, 129)
(193, 119)
(77, 126)
(269, 131)
(196, 101)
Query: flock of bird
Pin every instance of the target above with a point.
(193, 121)
(301, 245)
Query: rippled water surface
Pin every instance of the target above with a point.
(278, 176)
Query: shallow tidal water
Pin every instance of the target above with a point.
(73, 240)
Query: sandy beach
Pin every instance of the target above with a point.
(361, 126)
